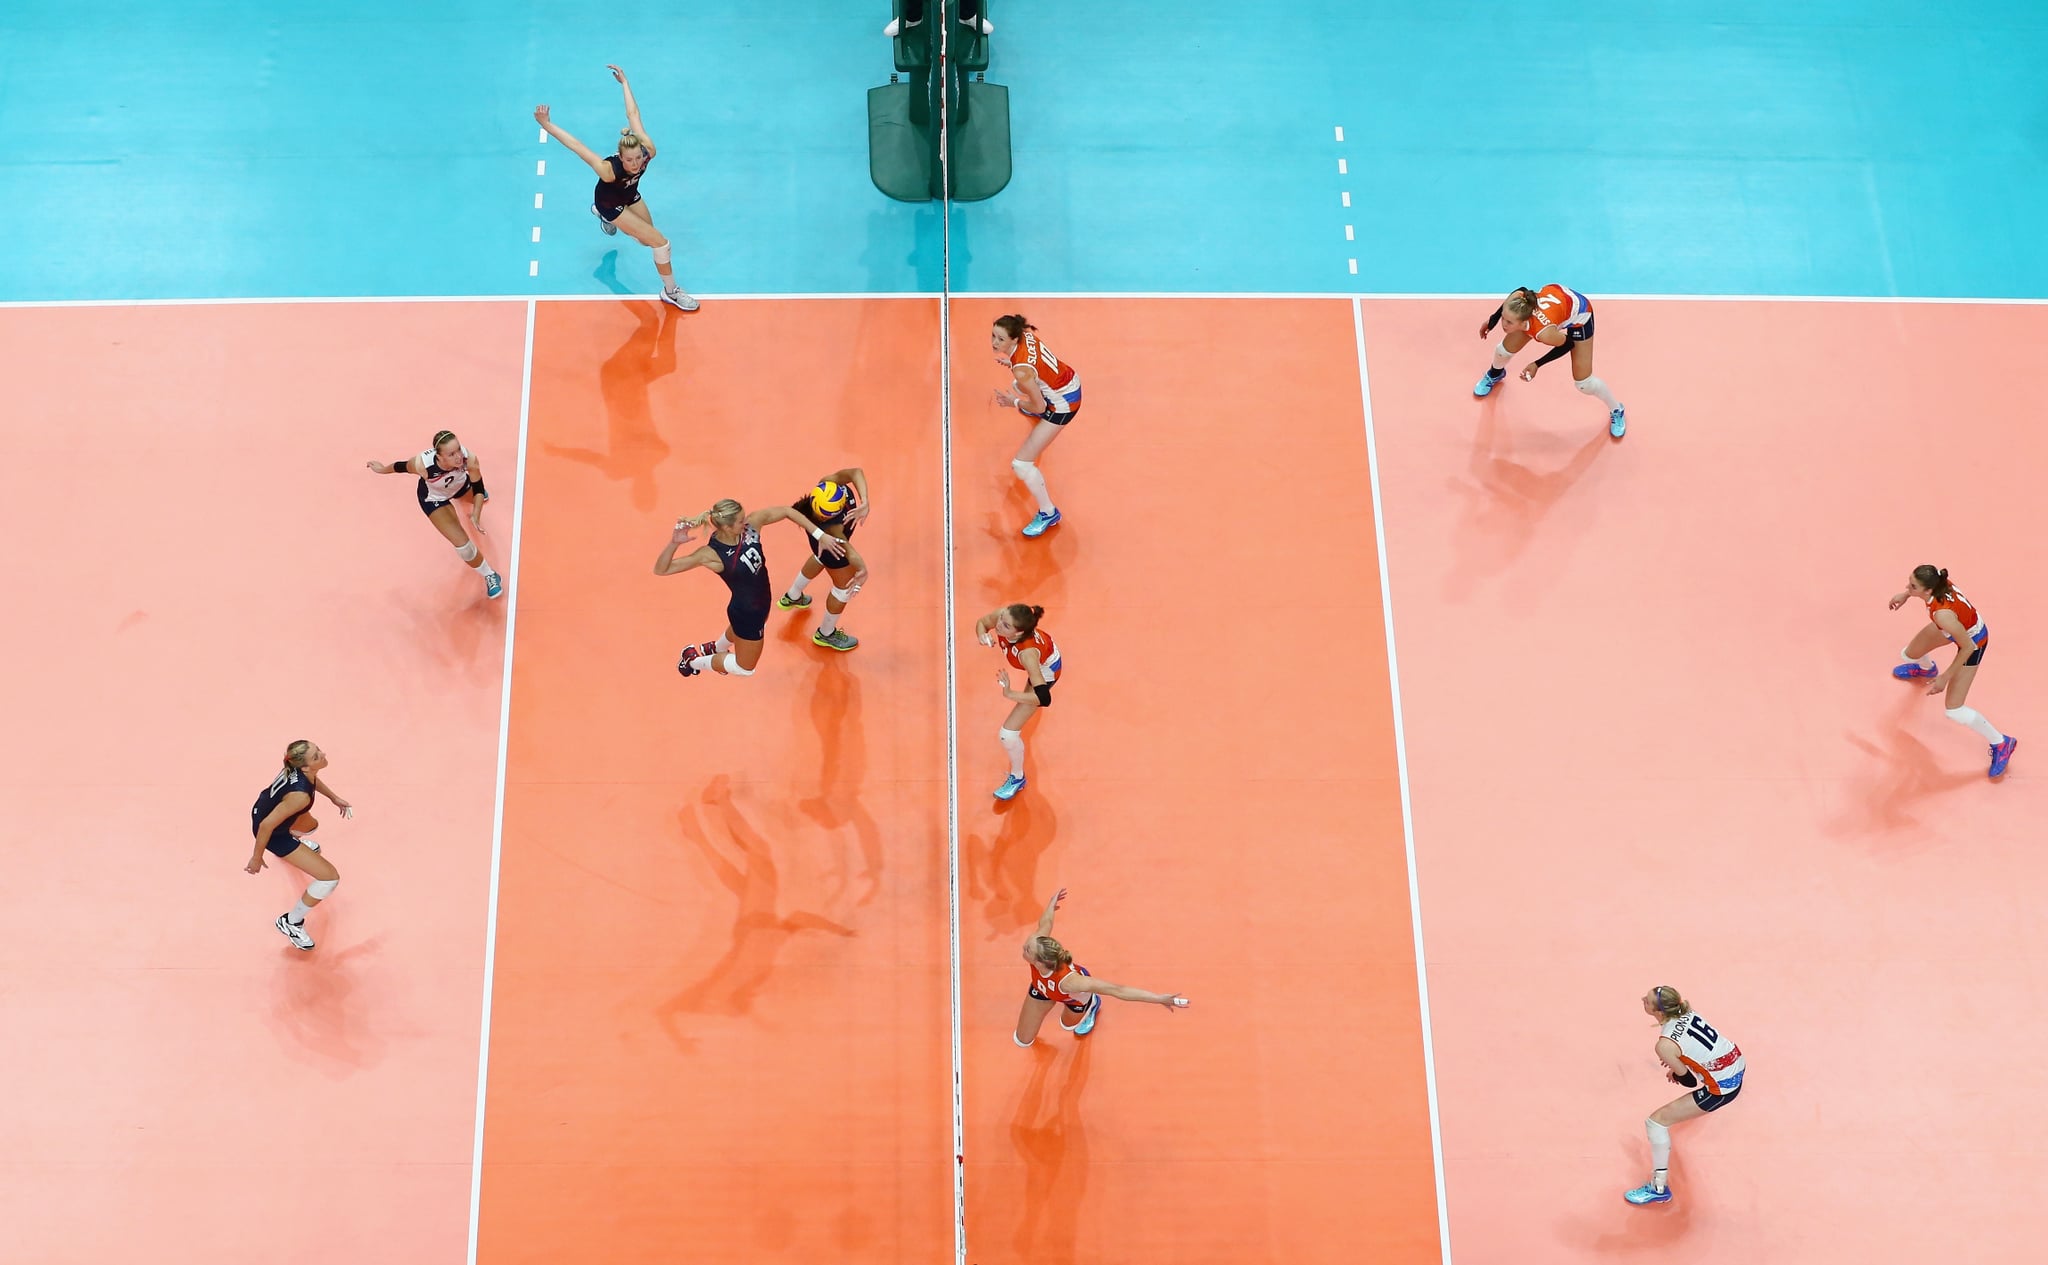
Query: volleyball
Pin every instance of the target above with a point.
(830, 500)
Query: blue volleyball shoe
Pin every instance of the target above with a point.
(1648, 1195)
(2001, 755)
(1488, 381)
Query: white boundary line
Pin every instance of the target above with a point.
(952, 662)
(483, 1046)
(1379, 523)
(929, 295)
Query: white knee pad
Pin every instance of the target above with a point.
(1026, 470)
(842, 596)
(1010, 738)
(466, 552)
(661, 253)
(321, 889)
(1588, 386)
(733, 668)
(1961, 715)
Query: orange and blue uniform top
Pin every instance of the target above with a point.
(1557, 307)
(1041, 641)
(1045, 986)
(1966, 615)
(1062, 384)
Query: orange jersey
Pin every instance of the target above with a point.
(1062, 386)
(1557, 307)
(1042, 642)
(1046, 985)
(1958, 605)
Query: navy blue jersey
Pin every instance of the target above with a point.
(287, 781)
(623, 192)
(744, 569)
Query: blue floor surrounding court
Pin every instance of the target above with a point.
(219, 148)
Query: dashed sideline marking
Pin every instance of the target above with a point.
(1350, 231)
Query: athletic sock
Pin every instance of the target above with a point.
(1013, 742)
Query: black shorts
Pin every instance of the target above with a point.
(610, 213)
(1707, 1100)
(830, 563)
(1058, 419)
(1580, 333)
(428, 507)
(282, 843)
(749, 623)
(1977, 655)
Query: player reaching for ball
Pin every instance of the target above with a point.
(1562, 319)
(1047, 391)
(1951, 617)
(448, 472)
(617, 203)
(1697, 1056)
(1031, 650)
(734, 555)
(281, 825)
(837, 505)
(1057, 981)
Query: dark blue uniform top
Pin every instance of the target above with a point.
(744, 569)
(611, 195)
(287, 781)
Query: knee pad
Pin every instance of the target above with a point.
(1024, 469)
(466, 552)
(661, 253)
(321, 889)
(842, 596)
(1961, 715)
(1587, 386)
(1008, 736)
(733, 668)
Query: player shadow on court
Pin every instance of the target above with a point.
(319, 1005)
(1505, 501)
(1053, 1143)
(633, 445)
(1904, 775)
(835, 708)
(461, 625)
(1623, 1231)
(1030, 571)
(1002, 871)
(729, 985)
